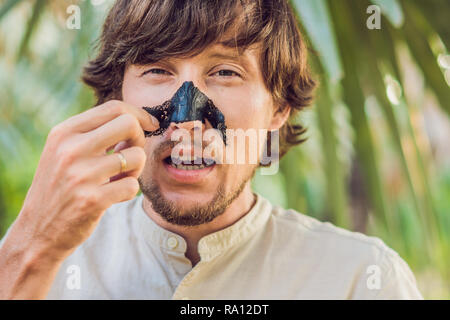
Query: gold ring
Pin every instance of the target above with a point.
(123, 162)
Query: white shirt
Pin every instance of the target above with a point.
(270, 253)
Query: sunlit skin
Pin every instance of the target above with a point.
(235, 84)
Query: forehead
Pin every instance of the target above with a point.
(248, 57)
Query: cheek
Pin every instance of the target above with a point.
(149, 147)
(151, 167)
(246, 107)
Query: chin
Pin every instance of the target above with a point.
(189, 197)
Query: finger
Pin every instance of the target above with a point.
(120, 190)
(135, 171)
(99, 115)
(123, 128)
(110, 165)
(120, 146)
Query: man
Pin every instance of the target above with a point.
(198, 231)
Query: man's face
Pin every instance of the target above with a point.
(235, 85)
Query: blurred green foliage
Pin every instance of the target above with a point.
(376, 160)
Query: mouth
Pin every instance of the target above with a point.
(189, 163)
(188, 171)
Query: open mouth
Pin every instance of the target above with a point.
(189, 164)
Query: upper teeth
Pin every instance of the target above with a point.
(187, 159)
(186, 164)
(188, 167)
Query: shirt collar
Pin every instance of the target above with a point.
(154, 234)
(210, 245)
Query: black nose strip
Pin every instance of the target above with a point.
(187, 104)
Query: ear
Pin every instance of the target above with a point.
(280, 117)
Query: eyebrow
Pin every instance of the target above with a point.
(238, 58)
(221, 55)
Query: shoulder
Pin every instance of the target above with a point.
(339, 253)
(113, 234)
(325, 235)
(99, 256)
(115, 226)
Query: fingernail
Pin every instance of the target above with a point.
(155, 122)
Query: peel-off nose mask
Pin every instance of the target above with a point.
(187, 104)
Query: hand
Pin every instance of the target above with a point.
(72, 188)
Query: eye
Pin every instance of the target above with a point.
(227, 73)
(155, 71)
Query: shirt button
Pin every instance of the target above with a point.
(172, 242)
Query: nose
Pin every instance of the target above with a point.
(191, 144)
(188, 125)
(188, 103)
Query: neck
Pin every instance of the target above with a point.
(192, 234)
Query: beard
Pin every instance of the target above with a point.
(197, 214)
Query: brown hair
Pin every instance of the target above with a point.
(145, 31)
